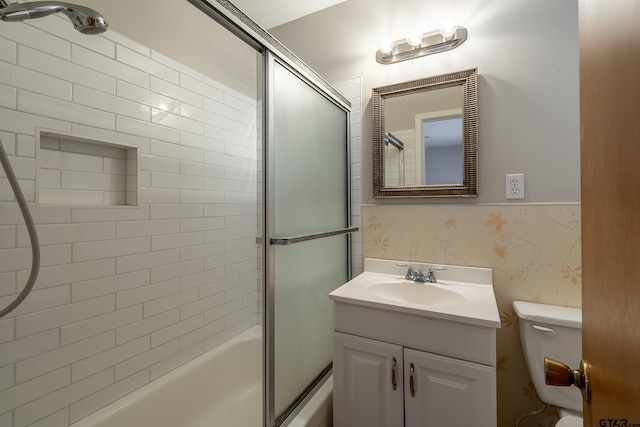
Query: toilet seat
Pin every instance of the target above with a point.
(569, 421)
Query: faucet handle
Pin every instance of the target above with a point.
(410, 270)
(431, 278)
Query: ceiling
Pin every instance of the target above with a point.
(271, 13)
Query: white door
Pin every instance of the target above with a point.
(442, 391)
(367, 383)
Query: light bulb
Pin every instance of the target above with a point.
(448, 30)
(414, 39)
(385, 46)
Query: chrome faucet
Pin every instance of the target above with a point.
(417, 275)
(414, 274)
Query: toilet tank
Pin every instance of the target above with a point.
(556, 332)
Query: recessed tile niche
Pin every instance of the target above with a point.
(75, 170)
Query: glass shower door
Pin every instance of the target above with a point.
(308, 255)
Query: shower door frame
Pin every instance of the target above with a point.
(230, 17)
(270, 242)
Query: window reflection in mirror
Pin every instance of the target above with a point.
(441, 141)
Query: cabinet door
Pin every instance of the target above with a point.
(367, 383)
(442, 391)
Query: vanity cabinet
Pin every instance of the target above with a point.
(386, 385)
(367, 382)
(415, 355)
(443, 391)
(392, 369)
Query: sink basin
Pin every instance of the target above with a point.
(462, 294)
(416, 293)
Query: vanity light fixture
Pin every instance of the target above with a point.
(415, 45)
(414, 39)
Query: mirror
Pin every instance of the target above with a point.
(425, 137)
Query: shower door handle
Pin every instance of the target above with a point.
(305, 238)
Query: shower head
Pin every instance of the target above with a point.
(84, 19)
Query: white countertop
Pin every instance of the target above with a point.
(461, 294)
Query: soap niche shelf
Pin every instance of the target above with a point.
(79, 171)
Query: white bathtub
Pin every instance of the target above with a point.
(223, 387)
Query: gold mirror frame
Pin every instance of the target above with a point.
(468, 79)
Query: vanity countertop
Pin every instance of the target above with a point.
(461, 294)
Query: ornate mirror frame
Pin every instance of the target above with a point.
(468, 79)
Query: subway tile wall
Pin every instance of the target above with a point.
(85, 172)
(125, 294)
(352, 90)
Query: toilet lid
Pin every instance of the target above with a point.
(569, 421)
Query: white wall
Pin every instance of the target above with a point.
(526, 52)
(125, 294)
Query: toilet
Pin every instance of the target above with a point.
(555, 332)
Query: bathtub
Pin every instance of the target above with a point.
(222, 387)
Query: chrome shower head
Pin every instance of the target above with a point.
(84, 19)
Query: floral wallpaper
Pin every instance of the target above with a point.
(535, 254)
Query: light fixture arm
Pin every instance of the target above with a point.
(432, 42)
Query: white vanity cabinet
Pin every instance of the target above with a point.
(367, 382)
(378, 384)
(443, 391)
(415, 354)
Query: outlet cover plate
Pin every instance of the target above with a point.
(514, 185)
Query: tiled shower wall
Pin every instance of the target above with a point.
(125, 294)
(352, 90)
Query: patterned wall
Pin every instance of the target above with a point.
(535, 254)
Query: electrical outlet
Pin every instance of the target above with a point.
(515, 186)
